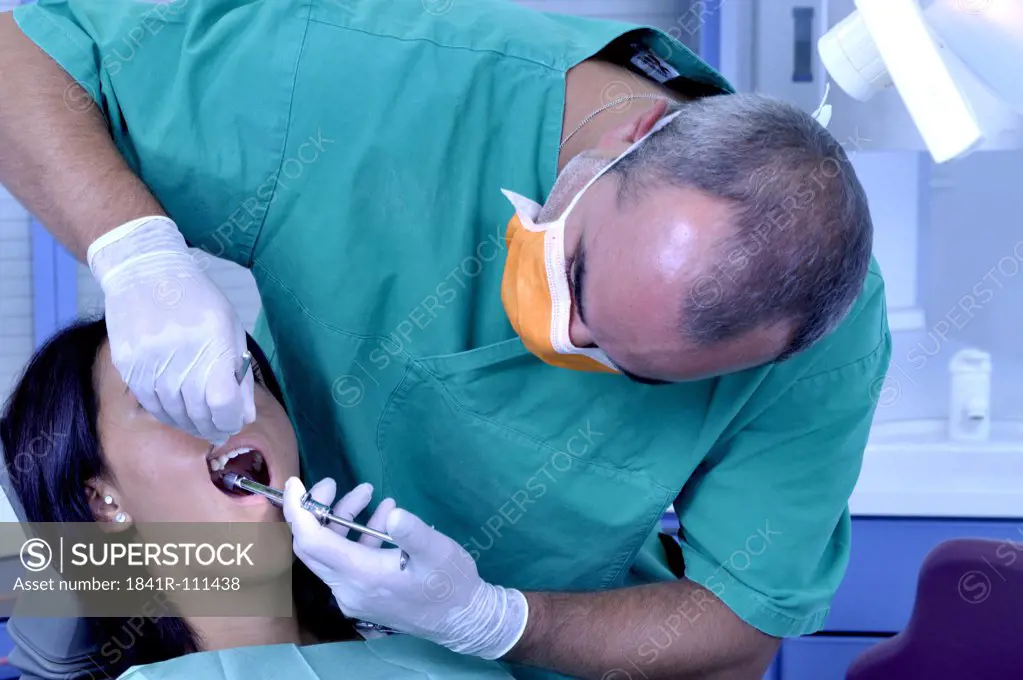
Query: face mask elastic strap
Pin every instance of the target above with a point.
(660, 125)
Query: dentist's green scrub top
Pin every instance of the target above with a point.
(352, 153)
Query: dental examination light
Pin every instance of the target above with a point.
(954, 63)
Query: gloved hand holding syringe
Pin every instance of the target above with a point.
(438, 596)
(322, 512)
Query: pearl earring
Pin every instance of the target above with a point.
(121, 517)
(109, 500)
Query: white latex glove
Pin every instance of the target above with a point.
(438, 597)
(175, 338)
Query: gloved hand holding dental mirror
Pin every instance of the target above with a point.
(174, 335)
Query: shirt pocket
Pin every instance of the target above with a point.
(534, 512)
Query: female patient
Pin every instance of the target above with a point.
(111, 461)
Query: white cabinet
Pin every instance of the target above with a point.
(898, 187)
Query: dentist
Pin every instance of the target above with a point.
(671, 302)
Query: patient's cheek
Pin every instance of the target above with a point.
(121, 415)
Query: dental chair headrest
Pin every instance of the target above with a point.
(53, 649)
(49, 649)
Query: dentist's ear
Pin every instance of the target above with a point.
(635, 128)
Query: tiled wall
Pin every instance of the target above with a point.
(15, 281)
(15, 291)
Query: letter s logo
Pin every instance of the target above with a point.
(36, 554)
(974, 587)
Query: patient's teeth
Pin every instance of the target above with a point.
(238, 452)
(218, 463)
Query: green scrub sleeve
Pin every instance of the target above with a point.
(196, 94)
(765, 525)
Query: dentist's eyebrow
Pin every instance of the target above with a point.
(578, 274)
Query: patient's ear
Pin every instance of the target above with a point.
(102, 499)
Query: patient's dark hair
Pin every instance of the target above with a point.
(57, 394)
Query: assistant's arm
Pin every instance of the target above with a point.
(58, 157)
(667, 630)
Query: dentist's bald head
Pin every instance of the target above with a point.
(737, 235)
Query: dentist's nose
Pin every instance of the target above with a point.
(579, 333)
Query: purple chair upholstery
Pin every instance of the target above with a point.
(967, 621)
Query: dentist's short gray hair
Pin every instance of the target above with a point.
(801, 234)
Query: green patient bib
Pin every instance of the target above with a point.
(352, 153)
(392, 658)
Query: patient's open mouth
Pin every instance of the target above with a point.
(245, 461)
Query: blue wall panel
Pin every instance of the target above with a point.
(54, 284)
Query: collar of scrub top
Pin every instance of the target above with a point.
(532, 209)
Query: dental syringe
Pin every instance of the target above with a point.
(321, 512)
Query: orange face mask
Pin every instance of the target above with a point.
(535, 289)
(536, 294)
